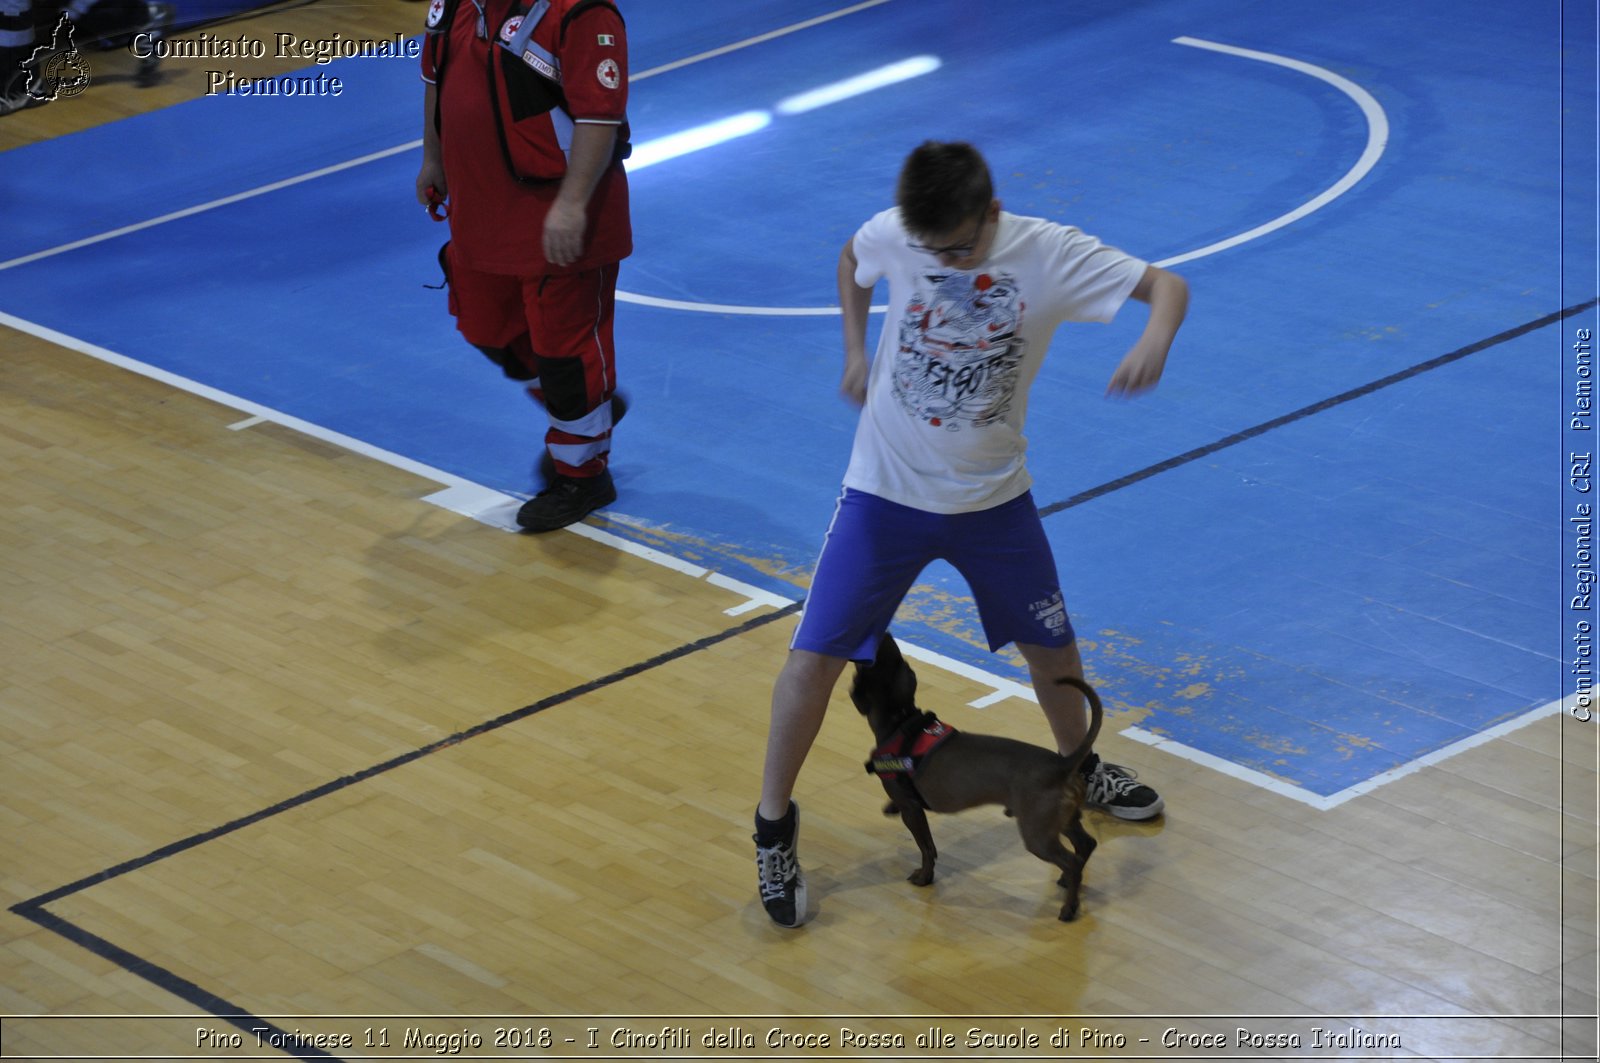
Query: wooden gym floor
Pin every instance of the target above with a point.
(283, 742)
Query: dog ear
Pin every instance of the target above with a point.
(888, 652)
(902, 680)
(905, 684)
(858, 692)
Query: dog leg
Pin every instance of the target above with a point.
(1043, 839)
(1084, 845)
(916, 821)
(1071, 880)
(1083, 842)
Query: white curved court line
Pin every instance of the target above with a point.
(312, 175)
(1377, 141)
(482, 503)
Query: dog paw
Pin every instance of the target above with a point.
(920, 877)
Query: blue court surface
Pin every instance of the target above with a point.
(1326, 549)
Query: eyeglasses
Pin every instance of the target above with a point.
(954, 250)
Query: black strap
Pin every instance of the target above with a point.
(620, 151)
(447, 21)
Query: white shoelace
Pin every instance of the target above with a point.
(777, 866)
(1109, 781)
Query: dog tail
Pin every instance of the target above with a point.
(1096, 713)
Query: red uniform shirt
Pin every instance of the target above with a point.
(497, 222)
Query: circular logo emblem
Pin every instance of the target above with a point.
(435, 13)
(608, 73)
(66, 75)
(509, 30)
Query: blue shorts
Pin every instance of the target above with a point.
(875, 549)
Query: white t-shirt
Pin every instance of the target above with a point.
(948, 390)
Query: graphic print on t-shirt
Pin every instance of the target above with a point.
(955, 364)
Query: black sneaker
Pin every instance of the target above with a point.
(566, 501)
(1113, 789)
(547, 464)
(783, 885)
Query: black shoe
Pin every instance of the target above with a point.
(783, 886)
(566, 501)
(1114, 789)
(547, 464)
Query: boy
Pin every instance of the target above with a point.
(937, 467)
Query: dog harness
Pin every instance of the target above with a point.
(899, 756)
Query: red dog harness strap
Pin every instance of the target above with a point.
(900, 755)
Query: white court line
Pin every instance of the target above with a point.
(490, 506)
(1003, 688)
(1325, 802)
(771, 35)
(1377, 141)
(289, 182)
(187, 212)
(496, 509)
(257, 412)
(459, 495)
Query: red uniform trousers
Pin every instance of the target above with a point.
(557, 329)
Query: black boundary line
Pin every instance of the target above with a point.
(172, 983)
(33, 909)
(1316, 407)
(333, 786)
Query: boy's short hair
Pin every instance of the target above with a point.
(942, 185)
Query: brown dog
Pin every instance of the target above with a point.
(925, 765)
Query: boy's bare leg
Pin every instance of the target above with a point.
(1063, 705)
(799, 701)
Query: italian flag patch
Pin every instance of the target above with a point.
(605, 40)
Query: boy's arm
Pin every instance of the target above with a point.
(1168, 297)
(856, 304)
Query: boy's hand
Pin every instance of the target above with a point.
(1168, 297)
(1139, 372)
(853, 385)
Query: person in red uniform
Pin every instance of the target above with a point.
(524, 134)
